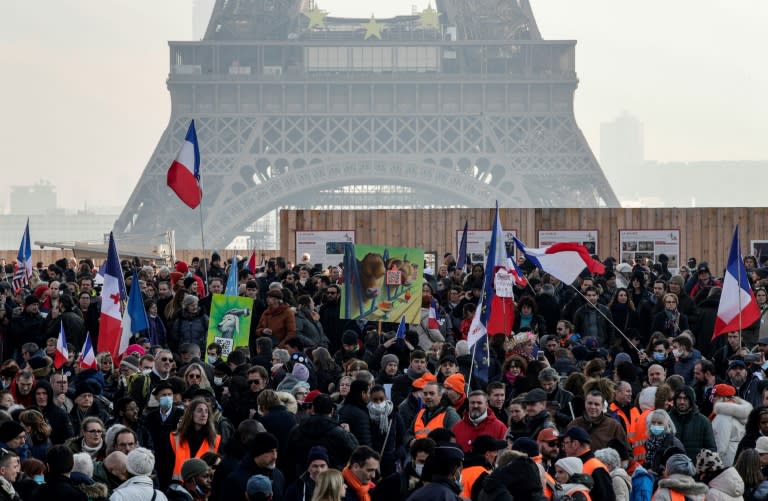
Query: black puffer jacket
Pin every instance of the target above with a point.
(324, 431)
(521, 476)
(189, 329)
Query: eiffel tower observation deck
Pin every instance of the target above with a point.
(458, 105)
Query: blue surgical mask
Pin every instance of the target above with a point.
(166, 401)
(659, 356)
(39, 479)
(212, 359)
(656, 429)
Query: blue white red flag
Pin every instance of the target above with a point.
(517, 273)
(495, 314)
(62, 354)
(135, 318)
(23, 271)
(433, 319)
(88, 357)
(738, 307)
(461, 261)
(113, 290)
(184, 173)
(565, 261)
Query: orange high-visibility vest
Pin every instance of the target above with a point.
(629, 421)
(639, 436)
(673, 495)
(469, 477)
(585, 493)
(421, 430)
(182, 453)
(549, 482)
(593, 464)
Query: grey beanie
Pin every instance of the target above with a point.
(388, 359)
(681, 464)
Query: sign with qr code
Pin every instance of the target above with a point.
(229, 325)
(394, 277)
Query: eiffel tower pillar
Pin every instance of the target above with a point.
(460, 107)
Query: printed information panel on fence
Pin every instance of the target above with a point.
(478, 242)
(323, 247)
(587, 238)
(758, 248)
(645, 246)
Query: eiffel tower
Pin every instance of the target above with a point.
(456, 106)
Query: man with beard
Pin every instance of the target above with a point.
(548, 441)
(536, 414)
(260, 460)
(705, 379)
(692, 428)
(401, 386)
(733, 347)
(747, 386)
(478, 421)
(601, 427)
(436, 413)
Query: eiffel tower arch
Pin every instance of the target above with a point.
(459, 106)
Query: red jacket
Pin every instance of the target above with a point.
(466, 431)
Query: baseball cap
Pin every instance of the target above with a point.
(258, 484)
(577, 433)
(737, 363)
(535, 395)
(548, 435)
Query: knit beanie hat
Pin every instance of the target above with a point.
(301, 372)
(318, 453)
(570, 465)
(192, 468)
(388, 359)
(681, 464)
(131, 361)
(140, 461)
(10, 430)
(263, 442)
(455, 382)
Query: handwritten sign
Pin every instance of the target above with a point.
(503, 283)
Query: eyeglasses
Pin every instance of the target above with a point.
(94, 431)
(553, 443)
(194, 376)
(166, 359)
(255, 381)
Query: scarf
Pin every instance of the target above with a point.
(92, 451)
(652, 446)
(511, 378)
(361, 491)
(380, 416)
(525, 320)
(479, 419)
(671, 322)
(7, 487)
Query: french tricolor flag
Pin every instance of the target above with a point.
(433, 319)
(565, 261)
(88, 358)
(184, 174)
(113, 290)
(738, 307)
(62, 354)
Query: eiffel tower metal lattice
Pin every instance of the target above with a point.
(296, 109)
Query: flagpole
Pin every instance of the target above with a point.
(738, 278)
(202, 239)
(594, 306)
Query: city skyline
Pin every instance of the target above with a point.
(89, 98)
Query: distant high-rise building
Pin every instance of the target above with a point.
(37, 199)
(622, 151)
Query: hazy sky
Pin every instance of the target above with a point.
(84, 100)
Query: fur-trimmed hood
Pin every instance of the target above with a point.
(683, 484)
(736, 408)
(96, 490)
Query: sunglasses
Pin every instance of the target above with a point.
(165, 359)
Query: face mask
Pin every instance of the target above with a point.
(39, 479)
(377, 406)
(659, 356)
(146, 372)
(218, 381)
(656, 429)
(302, 281)
(677, 353)
(418, 468)
(212, 359)
(166, 401)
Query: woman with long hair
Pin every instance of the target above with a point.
(661, 436)
(196, 435)
(623, 310)
(38, 433)
(194, 374)
(527, 317)
(173, 308)
(670, 321)
(325, 368)
(513, 374)
(329, 486)
(755, 484)
(106, 366)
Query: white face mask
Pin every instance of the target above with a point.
(212, 359)
(146, 371)
(418, 468)
(677, 353)
(218, 381)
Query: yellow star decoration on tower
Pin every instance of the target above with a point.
(372, 29)
(429, 17)
(316, 18)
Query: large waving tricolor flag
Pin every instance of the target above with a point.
(565, 261)
(495, 313)
(62, 354)
(738, 307)
(135, 317)
(184, 173)
(88, 357)
(23, 271)
(113, 290)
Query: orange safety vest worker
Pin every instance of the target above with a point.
(547, 479)
(591, 465)
(421, 430)
(469, 477)
(628, 421)
(584, 492)
(182, 453)
(639, 436)
(673, 495)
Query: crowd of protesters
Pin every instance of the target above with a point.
(610, 388)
